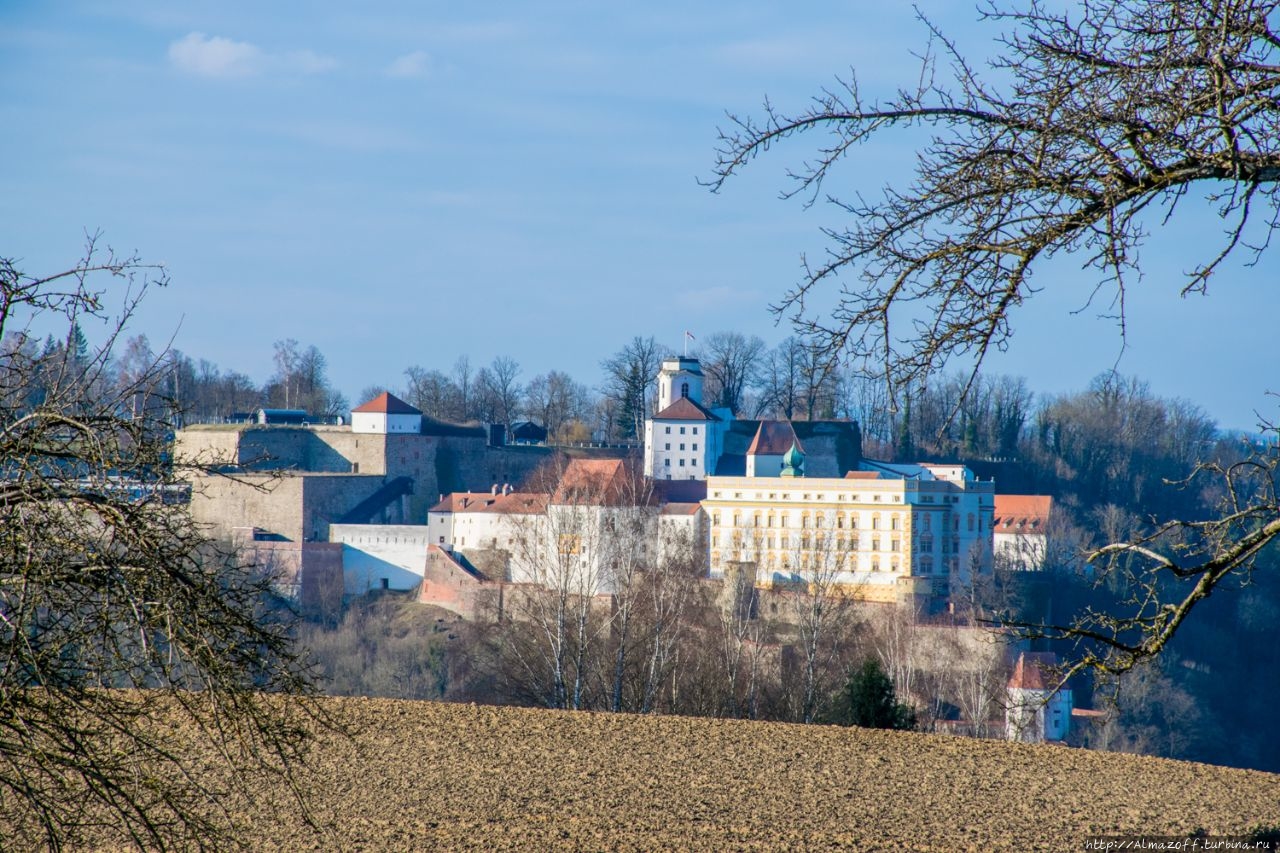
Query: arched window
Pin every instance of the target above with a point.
(684, 389)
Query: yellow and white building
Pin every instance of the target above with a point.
(886, 532)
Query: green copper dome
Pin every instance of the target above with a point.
(793, 462)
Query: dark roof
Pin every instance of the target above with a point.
(680, 491)
(685, 409)
(387, 403)
(528, 430)
(687, 363)
(774, 438)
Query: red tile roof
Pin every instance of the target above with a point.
(600, 482)
(1034, 671)
(516, 503)
(387, 404)
(774, 438)
(685, 409)
(1024, 513)
(862, 475)
(458, 501)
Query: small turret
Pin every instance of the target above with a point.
(793, 462)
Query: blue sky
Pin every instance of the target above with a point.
(404, 183)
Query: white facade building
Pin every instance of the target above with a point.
(1021, 539)
(577, 536)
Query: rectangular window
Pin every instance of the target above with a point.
(681, 463)
(666, 462)
(682, 445)
(682, 430)
(695, 430)
(668, 445)
(668, 430)
(695, 448)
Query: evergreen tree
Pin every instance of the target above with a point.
(868, 700)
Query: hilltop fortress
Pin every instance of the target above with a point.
(291, 482)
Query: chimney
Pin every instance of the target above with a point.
(494, 490)
(506, 488)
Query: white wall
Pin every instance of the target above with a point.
(378, 422)
(664, 452)
(373, 552)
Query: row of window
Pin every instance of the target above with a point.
(819, 521)
(923, 520)
(923, 565)
(695, 447)
(804, 543)
(694, 430)
(786, 496)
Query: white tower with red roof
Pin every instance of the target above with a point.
(684, 440)
(1038, 709)
(386, 414)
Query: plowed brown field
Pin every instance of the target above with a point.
(429, 776)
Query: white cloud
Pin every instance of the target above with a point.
(215, 56)
(415, 64)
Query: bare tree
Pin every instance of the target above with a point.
(107, 583)
(730, 361)
(563, 554)
(1112, 112)
(822, 608)
(431, 392)
(498, 391)
(555, 399)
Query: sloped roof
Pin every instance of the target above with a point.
(681, 509)
(862, 475)
(598, 481)
(685, 409)
(458, 501)
(515, 503)
(1033, 671)
(387, 403)
(1022, 513)
(774, 438)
